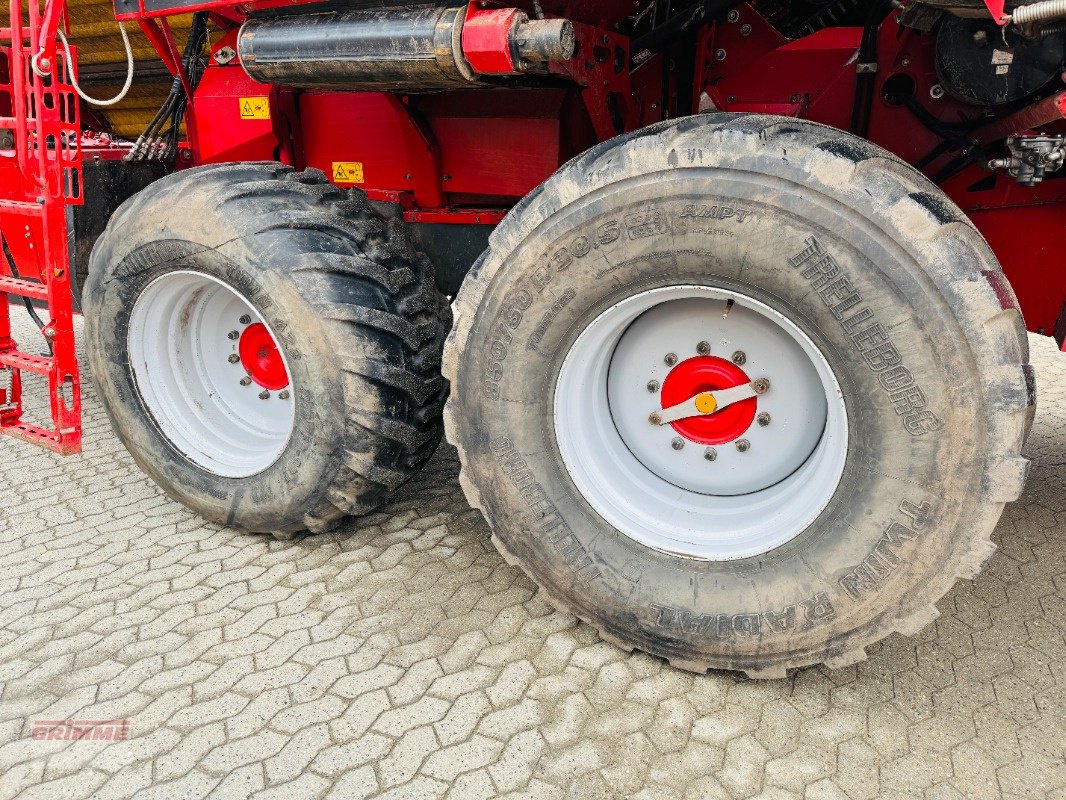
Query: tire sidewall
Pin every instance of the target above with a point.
(823, 591)
(274, 498)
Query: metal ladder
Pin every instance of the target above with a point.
(40, 176)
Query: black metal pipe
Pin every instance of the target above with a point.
(406, 48)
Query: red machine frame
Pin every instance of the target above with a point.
(40, 172)
(466, 157)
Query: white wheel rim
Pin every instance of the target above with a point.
(186, 363)
(743, 503)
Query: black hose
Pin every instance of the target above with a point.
(954, 133)
(159, 141)
(928, 120)
(941, 148)
(683, 23)
(866, 81)
(954, 167)
(26, 301)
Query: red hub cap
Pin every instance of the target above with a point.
(261, 357)
(709, 374)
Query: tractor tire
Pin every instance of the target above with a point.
(828, 507)
(266, 346)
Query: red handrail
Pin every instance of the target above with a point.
(40, 176)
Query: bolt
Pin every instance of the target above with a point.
(745, 30)
(283, 394)
(763, 419)
(264, 395)
(233, 335)
(719, 54)
(245, 319)
(739, 358)
(703, 348)
(678, 443)
(653, 386)
(761, 386)
(743, 445)
(733, 16)
(980, 38)
(710, 454)
(936, 92)
(670, 359)
(655, 419)
(234, 358)
(246, 381)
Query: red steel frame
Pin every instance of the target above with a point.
(40, 175)
(466, 157)
(998, 10)
(814, 78)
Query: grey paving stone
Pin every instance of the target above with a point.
(401, 657)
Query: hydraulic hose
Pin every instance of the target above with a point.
(159, 141)
(38, 70)
(866, 80)
(1039, 12)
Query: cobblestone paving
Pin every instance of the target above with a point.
(400, 657)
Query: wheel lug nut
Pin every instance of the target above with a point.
(245, 381)
(763, 419)
(245, 319)
(739, 358)
(743, 445)
(703, 348)
(710, 454)
(655, 419)
(283, 394)
(653, 386)
(234, 358)
(761, 386)
(670, 359)
(233, 335)
(264, 395)
(678, 443)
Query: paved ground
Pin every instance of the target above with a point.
(400, 657)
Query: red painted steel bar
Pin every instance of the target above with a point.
(39, 177)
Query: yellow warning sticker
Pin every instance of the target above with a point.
(255, 108)
(347, 172)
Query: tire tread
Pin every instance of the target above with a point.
(394, 349)
(997, 339)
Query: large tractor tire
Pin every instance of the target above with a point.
(267, 347)
(831, 500)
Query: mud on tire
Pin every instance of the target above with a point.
(351, 303)
(735, 202)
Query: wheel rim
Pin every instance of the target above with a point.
(210, 373)
(740, 482)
